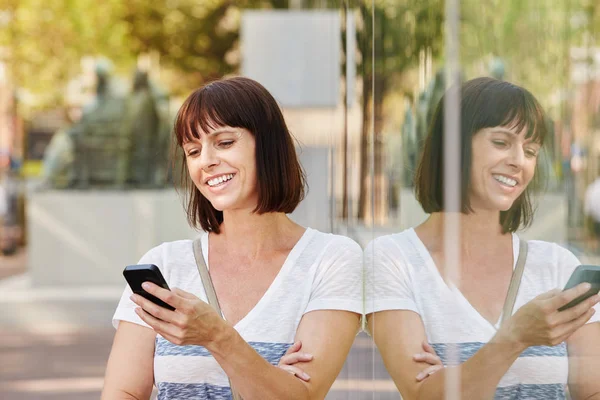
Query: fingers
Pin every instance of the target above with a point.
(161, 327)
(559, 300)
(548, 295)
(428, 348)
(427, 372)
(294, 348)
(568, 329)
(184, 294)
(152, 309)
(294, 358)
(165, 295)
(428, 358)
(296, 371)
(577, 311)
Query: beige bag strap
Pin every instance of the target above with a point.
(515, 282)
(209, 289)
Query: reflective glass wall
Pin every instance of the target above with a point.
(358, 83)
(421, 50)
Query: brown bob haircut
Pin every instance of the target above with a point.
(485, 103)
(241, 103)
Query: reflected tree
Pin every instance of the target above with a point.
(399, 31)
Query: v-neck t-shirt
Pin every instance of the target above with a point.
(322, 272)
(401, 275)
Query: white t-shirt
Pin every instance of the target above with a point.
(401, 275)
(322, 272)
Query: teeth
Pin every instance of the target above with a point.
(219, 180)
(505, 180)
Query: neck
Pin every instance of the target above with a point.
(253, 233)
(475, 229)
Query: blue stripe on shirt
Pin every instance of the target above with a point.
(195, 391)
(468, 349)
(554, 391)
(272, 352)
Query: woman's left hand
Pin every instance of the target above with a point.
(430, 357)
(194, 322)
(292, 356)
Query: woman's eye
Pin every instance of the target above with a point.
(192, 153)
(226, 143)
(531, 153)
(499, 143)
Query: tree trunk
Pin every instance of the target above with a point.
(364, 148)
(380, 181)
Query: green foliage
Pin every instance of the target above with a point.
(43, 41)
(533, 38)
(190, 37)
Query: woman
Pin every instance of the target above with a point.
(277, 282)
(538, 350)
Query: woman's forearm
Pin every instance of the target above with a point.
(252, 375)
(479, 375)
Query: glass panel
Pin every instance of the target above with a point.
(420, 50)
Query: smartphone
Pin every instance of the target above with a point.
(135, 275)
(583, 273)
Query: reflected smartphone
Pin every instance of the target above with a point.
(135, 275)
(583, 273)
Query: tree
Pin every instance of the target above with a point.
(399, 30)
(43, 42)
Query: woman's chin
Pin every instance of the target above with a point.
(505, 206)
(229, 206)
(219, 207)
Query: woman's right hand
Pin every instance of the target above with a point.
(539, 323)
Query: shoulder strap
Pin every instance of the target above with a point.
(515, 282)
(211, 295)
(209, 289)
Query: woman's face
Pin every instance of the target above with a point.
(222, 165)
(502, 167)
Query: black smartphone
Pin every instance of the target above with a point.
(583, 273)
(135, 275)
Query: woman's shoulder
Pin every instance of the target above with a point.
(392, 241)
(549, 250)
(550, 262)
(167, 251)
(332, 240)
(550, 254)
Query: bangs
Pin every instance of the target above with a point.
(512, 107)
(207, 109)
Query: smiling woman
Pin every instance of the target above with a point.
(290, 296)
(529, 351)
